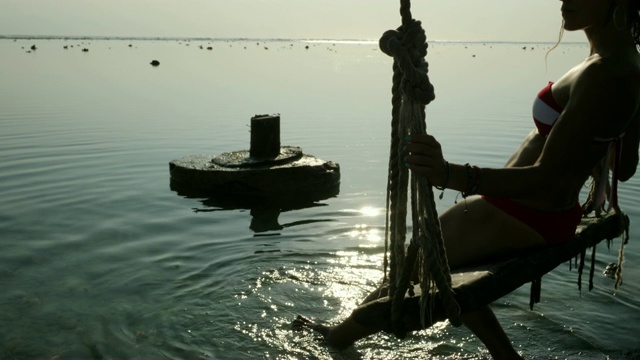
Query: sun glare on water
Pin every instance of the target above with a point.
(370, 234)
(369, 211)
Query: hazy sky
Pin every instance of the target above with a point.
(471, 20)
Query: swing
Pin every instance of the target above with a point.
(444, 295)
(480, 285)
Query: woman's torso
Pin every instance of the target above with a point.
(531, 148)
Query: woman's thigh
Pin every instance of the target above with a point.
(474, 230)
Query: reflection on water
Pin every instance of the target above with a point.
(266, 210)
(99, 258)
(264, 218)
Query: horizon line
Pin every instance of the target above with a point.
(314, 40)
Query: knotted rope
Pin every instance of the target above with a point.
(411, 92)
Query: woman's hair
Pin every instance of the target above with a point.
(633, 18)
(546, 56)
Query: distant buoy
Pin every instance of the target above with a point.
(33, 47)
(266, 173)
(155, 62)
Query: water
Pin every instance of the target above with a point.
(100, 259)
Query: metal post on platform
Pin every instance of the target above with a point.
(265, 136)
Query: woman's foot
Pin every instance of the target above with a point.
(340, 336)
(302, 322)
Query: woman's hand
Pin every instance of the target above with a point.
(424, 156)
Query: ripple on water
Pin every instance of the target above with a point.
(99, 258)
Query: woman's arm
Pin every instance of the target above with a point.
(425, 157)
(569, 153)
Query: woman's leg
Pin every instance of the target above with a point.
(348, 331)
(340, 336)
(473, 230)
(485, 326)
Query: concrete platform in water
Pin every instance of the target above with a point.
(267, 172)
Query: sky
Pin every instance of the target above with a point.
(460, 20)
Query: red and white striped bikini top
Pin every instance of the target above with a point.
(546, 112)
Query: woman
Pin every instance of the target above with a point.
(533, 201)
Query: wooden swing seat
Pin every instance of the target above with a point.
(480, 285)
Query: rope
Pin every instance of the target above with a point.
(597, 207)
(600, 191)
(411, 91)
(603, 190)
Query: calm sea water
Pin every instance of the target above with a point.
(99, 258)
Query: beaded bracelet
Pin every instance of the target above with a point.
(473, 180)
(446, 181)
